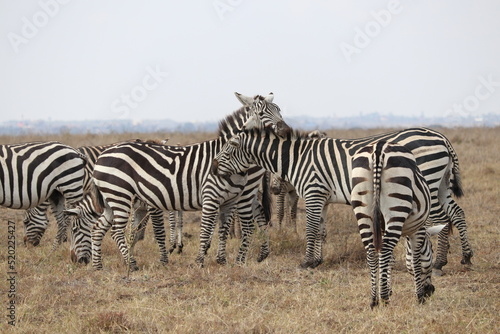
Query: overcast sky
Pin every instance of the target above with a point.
(182, 60)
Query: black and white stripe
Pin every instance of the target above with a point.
(177, 178)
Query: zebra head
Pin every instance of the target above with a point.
(35, 223)
(276, 184)
(81, 219)
(262, 113)
(231, 159)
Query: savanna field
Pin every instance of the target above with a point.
(53, 295)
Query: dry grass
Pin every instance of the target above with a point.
(56, 296)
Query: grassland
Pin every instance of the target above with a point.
(56, 296)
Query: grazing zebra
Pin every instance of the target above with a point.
(35, 219)
(178, 178)
(438, 162)
(382, 182)
(83, 215)
(33, 173)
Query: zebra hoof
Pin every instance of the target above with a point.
(134, 267)
(262, 257)
(422, 298)
(200, 262)
(221, 260)
(171, 250)
(373, 304)
(437, 272)
(429, 290)
(307, 264)
(466, 260)
(440, 265)
(179, 250)
(240, 261)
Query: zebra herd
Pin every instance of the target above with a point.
(398, 184)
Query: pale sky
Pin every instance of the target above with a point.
(182, 60)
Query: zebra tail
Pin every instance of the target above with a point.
(266, 197)
(97, 199)
(456, 180)
(377, 215)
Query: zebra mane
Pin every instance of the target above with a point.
(290, 134)
(232, 124)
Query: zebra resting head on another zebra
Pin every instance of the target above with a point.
(382, 182)
(179, 178)
(438, 162)
(259, 117)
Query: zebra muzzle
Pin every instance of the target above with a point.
(282, 129)
(215, 167)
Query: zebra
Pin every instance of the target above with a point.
(32, 173)
(84, 214)
(35, 219)
(382, 182)
(178, 178)
(438, 162)
(286, 195)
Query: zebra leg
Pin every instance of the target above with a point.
(118, 235)
(208, 217)
(372, 260)
(457, 217)
(225, 219)
(320, 238)
(180, 225)
(99, 230)
(314, 211)
(280, 203)
(385, 261)
(442, 249)
(172, 224)
(57, 204)
(159, 233)
(247, 227)
(263, 231)
(293, 200)
(415, 243)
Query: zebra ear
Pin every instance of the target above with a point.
(245, 100)
(434, 230)
(234, 142)
(74, 212)
(269, 98)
